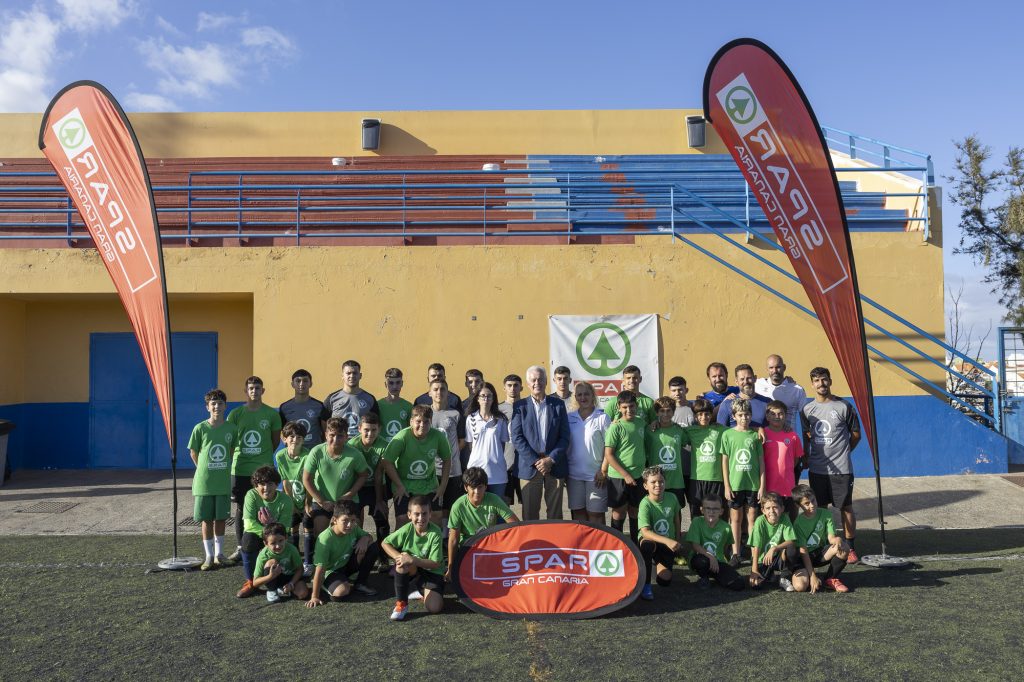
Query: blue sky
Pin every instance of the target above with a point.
(912, 74)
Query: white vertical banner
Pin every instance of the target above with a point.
(598, 348)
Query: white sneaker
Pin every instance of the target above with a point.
(786, 584)
(415, 594)
(401, 608)
(273, 596)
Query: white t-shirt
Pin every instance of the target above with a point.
(488, 440)
(788, 392)
(586, 444)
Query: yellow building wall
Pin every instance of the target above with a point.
(52, 349)
(12, 350)
(403, 133)
(315, 307)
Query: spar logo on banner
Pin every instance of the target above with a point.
(548, 569)
(102, 205)
(788, 204)
(598, 349)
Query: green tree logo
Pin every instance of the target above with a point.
(603, 360)
(606, 563)
(741, 105)
(72, 133)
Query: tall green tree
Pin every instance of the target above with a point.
(992, 218)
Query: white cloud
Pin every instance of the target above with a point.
(27, 49)
(267, 37)
(212, 22)
(89, 15)
(190, 71)
(168, 27)
(141, 101)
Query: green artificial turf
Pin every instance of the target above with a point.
(84, 608)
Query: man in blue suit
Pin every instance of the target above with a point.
(540, 434)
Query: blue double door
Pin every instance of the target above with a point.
(126, 429)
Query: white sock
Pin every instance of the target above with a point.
(218, 545)
(208, 546)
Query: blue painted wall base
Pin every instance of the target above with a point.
(918, 436)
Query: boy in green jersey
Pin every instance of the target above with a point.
(409, 461)
(278, 566)
(341, 550)
(263, 504)
(709, 535)
(773, 547)
(704, 438)
(259, 433)
(474, 511)
(665, 443)
(210, 447)
(659, 518)
(289, 461)
(644, 412)
(742, 471)
(333, 471)
(371, 445)
(416, 551)
(818, 542)
(624, 460)
(395, 410)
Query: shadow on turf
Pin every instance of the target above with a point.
(929, 541)
(904, 503)
(71, 494)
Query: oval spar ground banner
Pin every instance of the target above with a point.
(548, 570)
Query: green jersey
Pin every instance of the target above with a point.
(705, 453)
(289, 559)
(665, 449)
(645, 411)
(745, 454)
(280, 508)
(393, 417)
(333, 551)
(291, 474)
(414, 459)
(334, 476)
(627, 439)
(814, 531)
(214, 445)
(469, 520)
(715, 539)
(254, 447)
(426, 546)
(764, 536)
(660, 517)
(371, 453)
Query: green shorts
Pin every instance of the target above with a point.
(212, 507)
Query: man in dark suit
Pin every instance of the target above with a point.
(540, 434)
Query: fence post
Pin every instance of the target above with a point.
(298, 198)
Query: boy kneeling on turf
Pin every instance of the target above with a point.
(279, 566)
(773, 547)
(416, 550)
(474, 511)
(263, 504)
(658, 519)
(819, 544)
(709, 535)
(341, 550)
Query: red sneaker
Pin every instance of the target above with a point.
(836, 585)
(248, 590)
(852, 557)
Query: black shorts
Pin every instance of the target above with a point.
(743, 498)
(832, 489)
(251, 543)
(402, 503)
(701, 489)
(240, 485)
(278, 582)
(452, 492)
(367, 497)
(657, 552)
(425, 580)
(817, 556)
(621, 495)
(680, 494)
(297, 518)
(316, 511)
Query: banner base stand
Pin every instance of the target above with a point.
(884, 561)
(181, 563)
